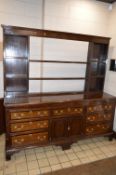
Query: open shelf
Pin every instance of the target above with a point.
(58, 78)
(59, 61)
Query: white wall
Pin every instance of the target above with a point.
(110, 82)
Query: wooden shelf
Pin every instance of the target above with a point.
(13, 57)
(16, 76)
(58, 78)
(58, 61)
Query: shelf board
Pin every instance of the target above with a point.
(22, 76)
(15, 58)
(58, 78)
(58, 61)
(97, 76)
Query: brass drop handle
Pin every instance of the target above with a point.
(69, 128)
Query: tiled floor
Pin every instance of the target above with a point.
(41, 160)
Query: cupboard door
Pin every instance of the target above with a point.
(75, 126)
(59, 128)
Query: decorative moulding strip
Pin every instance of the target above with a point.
(14, 30)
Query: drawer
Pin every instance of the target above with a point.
(29, 114)
(98, 128)
(102, 107)
(99, 117)
(29, 139)
(29, 126)
(68, 111)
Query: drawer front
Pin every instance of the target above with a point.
(29, 114)
(98, 129)
(99, 117)
(30, 139)
(68, 111)
(29, 126)
(102, 107)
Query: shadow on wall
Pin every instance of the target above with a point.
(1, 51)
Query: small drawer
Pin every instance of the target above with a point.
(77, 110)
(29, 114)
(99, 117)
(29, 126)
(59, 112)
(68, 111)
(97, 108)
(98, 128)
(30, 139)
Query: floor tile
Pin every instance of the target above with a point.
(66, 164)
(71, 156)
(43, 163)
(75, 162)
(85, 160)
(53, 160)
(1, 172)
(10, 169)
(81, 154)
(21, 167)
(32, 165)
(56, 167)
(76, 148)
(40, 155)
(31, 157)
(23, 173)
(50, 153)
(59, 152)
(45, 169)
(39, 150)
(63, 158)
(34, 172)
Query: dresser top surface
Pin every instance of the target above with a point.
(33, 99)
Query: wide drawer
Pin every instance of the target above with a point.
(101, 107)
(29, 114)
(99, 117)
(29, 126)
(29, 139)
(67, 111)
(98, 128)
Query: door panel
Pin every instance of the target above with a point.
(75, 126)
(59, 128)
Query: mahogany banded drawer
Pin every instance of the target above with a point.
(67, 111)
(29, 139)
(99, 117)
(102, 107)
(29, 114)
(98, 128)
(29, 126)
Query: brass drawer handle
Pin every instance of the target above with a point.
(69, 109)
(16, 127)
(22, 140)
(68, 128)
(90, 129)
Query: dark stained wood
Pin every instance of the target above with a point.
(2, 116)
(95, 73)
(58, 61)
(13, 30)
(34, 119)
(58, 78)
(66, 119)
(107, 1)
(15, 70)
(59, 129)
